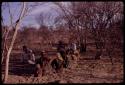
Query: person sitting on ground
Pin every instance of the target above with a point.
(28, 55)
(73, 50)
(61, 50)
(41, 63)
(73, 47)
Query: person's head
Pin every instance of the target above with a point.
(24, 48)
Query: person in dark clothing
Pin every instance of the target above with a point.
(62, 51)
(57, 65)
(61, 46)
(41, 64)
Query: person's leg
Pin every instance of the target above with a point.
(53, 64)
(37, 70)
(59, 66)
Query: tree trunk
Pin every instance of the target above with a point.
(85, 41)
(4, 44)
(4, 53)
(98, 49)
(82, 45)
(12, 43)
(8, 54)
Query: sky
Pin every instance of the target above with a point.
(30, 19)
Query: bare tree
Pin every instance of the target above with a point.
(12, 43)
(26, 8)
(6, 32)
(101, 23)
(96, 16)
(75, 21)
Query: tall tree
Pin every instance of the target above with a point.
(13, 40)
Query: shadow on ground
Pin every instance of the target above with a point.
(19, 68)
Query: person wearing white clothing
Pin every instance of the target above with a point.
(28, 55)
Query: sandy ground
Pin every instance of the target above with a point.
(86, 70)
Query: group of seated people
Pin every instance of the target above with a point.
(28, 55)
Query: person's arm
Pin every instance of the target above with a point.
(32, 57)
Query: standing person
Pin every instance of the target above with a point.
(28, 55)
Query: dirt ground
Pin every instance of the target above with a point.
(86, 70)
